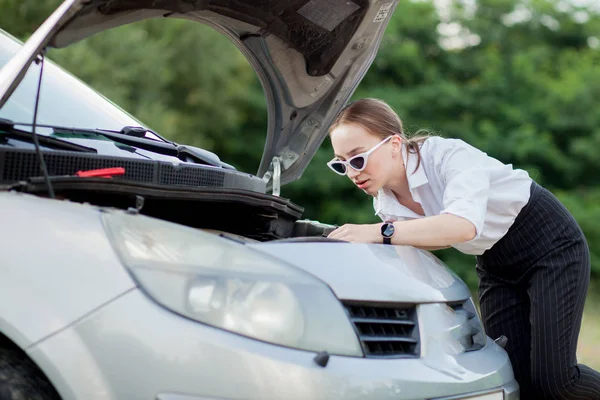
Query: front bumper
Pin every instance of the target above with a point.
(509, 392)
(134, 349)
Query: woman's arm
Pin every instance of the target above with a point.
(435, 232)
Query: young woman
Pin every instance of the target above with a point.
(533, 261)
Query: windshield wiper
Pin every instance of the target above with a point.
(138, 131)
(8, 131)
(182, 152)
(135, 137)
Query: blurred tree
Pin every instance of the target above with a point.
(22, 18)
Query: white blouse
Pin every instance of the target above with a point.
(457, 178)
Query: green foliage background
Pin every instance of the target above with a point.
(519, 79)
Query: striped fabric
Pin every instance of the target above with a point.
(532, 289)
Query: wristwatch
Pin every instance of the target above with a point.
(387, 231)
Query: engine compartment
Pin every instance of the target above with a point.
(210, 197)
(236, 213)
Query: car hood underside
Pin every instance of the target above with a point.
(308, 54)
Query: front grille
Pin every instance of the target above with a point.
(385, 331)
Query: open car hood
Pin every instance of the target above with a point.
(308, 54)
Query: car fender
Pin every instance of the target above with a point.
(56, 266)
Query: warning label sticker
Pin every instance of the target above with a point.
(383, 12)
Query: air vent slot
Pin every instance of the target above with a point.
(385, 331)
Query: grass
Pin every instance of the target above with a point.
(588, 346)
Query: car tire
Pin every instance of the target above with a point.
(20, 378)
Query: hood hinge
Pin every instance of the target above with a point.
(279, 164)
(274, 174)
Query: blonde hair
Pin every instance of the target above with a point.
(379, 119)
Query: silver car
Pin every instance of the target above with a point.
(134, 267)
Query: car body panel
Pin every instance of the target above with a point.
(373, 272)
(211, 363)
(57, 266)
(96, 336)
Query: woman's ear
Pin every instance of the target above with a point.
(396, 145)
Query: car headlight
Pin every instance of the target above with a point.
(227, 285)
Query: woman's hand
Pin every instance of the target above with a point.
(368, 233)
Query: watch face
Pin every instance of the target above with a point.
(387, 230)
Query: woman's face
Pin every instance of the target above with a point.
(383, 163)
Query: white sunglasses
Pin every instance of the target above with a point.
(358, 162)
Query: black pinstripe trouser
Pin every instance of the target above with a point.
(532, 288)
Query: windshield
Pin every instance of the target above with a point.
(64, 99)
